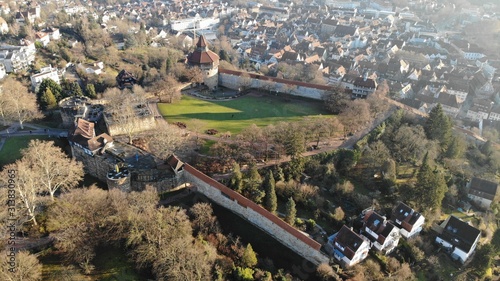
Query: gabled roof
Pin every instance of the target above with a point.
(379, 225)
(175, 163)
(459, 233)
(348, 241)
(404, 216)
(84, 128)
(448, 99)
(483, 188)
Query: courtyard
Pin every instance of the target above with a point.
(234, 115)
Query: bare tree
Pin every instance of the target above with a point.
(26, 187)
(52, 168)
(23, 104)
(318, 128)
(83, 218)
(204, 221)
(165, 140)
(194, 75)
(356, 115)
(5, 106)
(377, 100)
(167, 89)
(125, 110)
(27, 267)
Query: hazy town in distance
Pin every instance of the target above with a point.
(250, 140)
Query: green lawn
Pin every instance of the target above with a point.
(11, 150)
(234, 115)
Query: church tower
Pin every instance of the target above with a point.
(207, 61)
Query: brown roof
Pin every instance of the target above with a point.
(202, 55)
(84, 128)
(348, 240)
(405, 215)
(240, 199)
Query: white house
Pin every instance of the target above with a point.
(349, 248)
(45, 73)
(409, 221)
(383, 235)
(43, 38)
(16, 58)
(458, 238)
(482, 191)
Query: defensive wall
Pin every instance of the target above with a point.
(100, 164)
(233, 79)
(255, 214)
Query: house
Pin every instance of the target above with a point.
(458, 238)
(125, 79)
(95, 68)
(479, 109)
(383, 235)
(349, 248)
(407, 220)
(363, 86)
(449, 103)
(16, 58)
(43, 38)
(45, 73)
(482, 191)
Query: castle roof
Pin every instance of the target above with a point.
(202, 55)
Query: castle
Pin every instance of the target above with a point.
(207, 61)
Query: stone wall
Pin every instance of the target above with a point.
(210, 77)
(255, 214)
(99, 165)
(140, 125)
(232, 79)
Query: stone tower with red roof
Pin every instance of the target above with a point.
(207, 61)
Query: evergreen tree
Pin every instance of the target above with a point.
(75, 89)
(270, 200)
(290, 212)
(249, 258)
(53, 86)
(438, 126)
(90, 91)
(252, 186)
(430, 187)
(456, 148)
(47, 100)
(236, 181)
(280, 176)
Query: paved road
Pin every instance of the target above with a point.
(14, 131)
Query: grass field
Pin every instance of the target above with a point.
(235, 115)
(11, 150)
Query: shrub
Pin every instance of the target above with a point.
(211, 132)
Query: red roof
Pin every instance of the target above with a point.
(202, 55)
(202, 43)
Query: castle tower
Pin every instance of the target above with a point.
(207, 61)
(119, 178)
